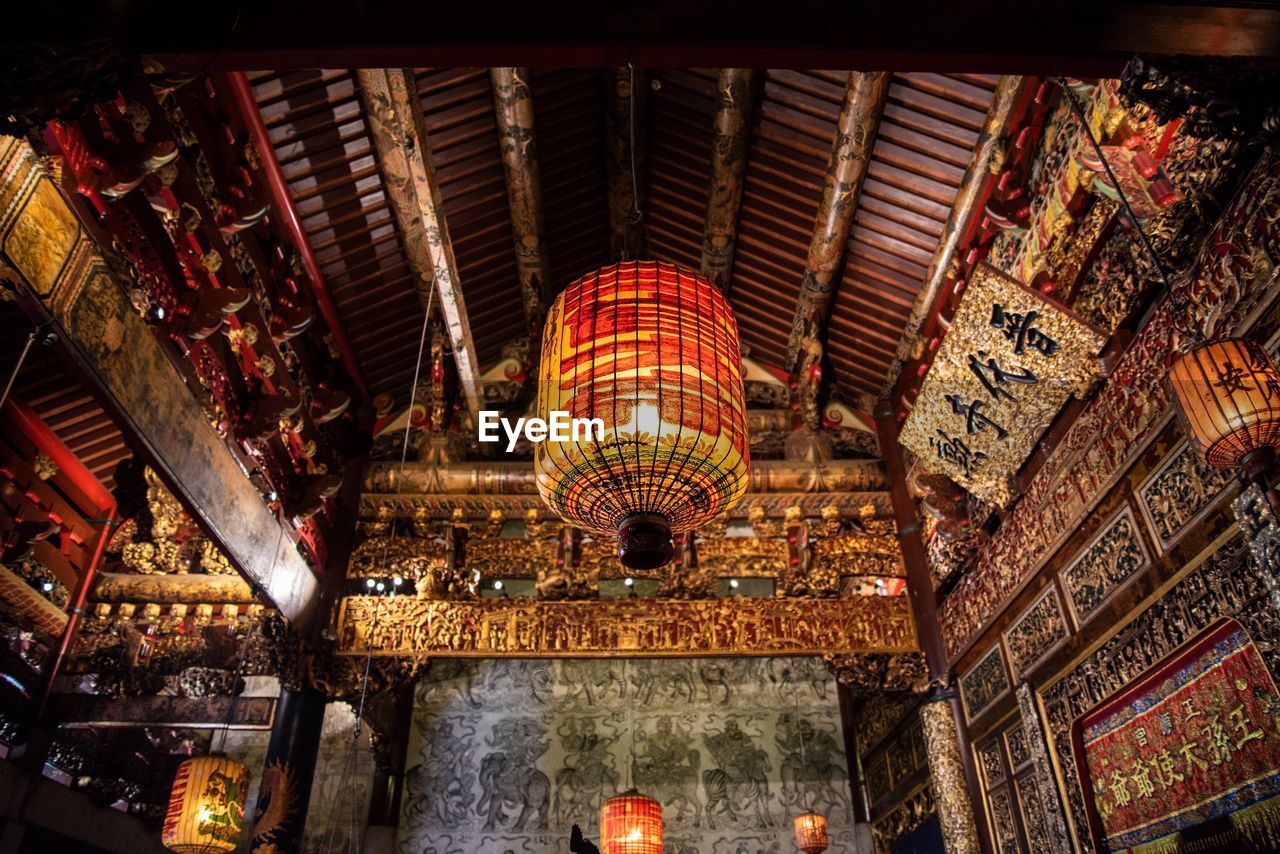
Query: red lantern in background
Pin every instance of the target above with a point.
(651, 350)
(811, 833)
(1229, 394)
(631, 823)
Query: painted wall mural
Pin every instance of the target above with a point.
(506, 755)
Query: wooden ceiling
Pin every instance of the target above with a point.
(930, 125)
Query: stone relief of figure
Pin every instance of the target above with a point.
(739, 784)
(812, 778)
(514, 790)
(667, 761)
(589, 774)
(440, 788)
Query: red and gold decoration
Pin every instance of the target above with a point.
(631, 823)
(1009, 362)
(1229, 393)
(1197, 739)
(206, 806)
(651, 350)
(811, 833)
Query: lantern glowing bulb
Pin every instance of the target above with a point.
(206, 806)
(652, 351)
(631, 823)
(1229, 394)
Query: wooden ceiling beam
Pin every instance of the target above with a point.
(404, 155)
(513, 104)
(730, 148)
(856, 128)
(969, 201)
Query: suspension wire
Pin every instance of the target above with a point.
(22, 358)
(804, 762)
(353, 754)
(636, 215)
(1147, 246)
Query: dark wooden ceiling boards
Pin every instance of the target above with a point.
(926, 137)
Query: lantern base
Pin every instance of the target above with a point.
(1255, 465)
(644, 541)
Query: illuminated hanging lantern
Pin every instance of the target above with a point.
(1229, 394)
(811, 832)
(631, 823)
(206, 806)
(651, 351)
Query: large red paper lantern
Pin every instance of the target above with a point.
(651, 350)
(1229, 394)
(631, 823)
(206, 806)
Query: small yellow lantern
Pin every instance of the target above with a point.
(811, 832)
(631, 823)
(206, 806)
(1229, 394)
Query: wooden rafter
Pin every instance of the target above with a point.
(990, 144)
(404, 155)
(730, 148)
(513, 105)
(856, 129)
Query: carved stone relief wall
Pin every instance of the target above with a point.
(507, 755)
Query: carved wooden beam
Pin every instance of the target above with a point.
(625, 236)
(496, 628)
(730, 148)
(517, 478)
(989, 150)
(89, 710)
(404, 154)
(856, 129)
(187, 589)
(513, 104)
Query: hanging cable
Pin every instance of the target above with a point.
(22, 358)
(1078, 110)
(804, 762)
(353, 754)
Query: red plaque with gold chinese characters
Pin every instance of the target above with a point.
(1196, 739)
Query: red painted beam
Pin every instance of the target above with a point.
(283, 207)
(67, 462)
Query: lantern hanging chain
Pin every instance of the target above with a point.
(1078, 110)
(17, 368)
(636, 215)
(353, 754)
(804, 762)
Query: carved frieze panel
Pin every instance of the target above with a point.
(1019, 753)
(1225, 584)
(984, 683)
(1003, 827)
(405, 626)
(1177, 494)
(1113, 559)
(1040, 630)
(989, 763)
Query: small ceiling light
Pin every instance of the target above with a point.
(369, 582)
(733, 583)
(381, 587)
(47, 586)
(497, 585)
(273, 495)
(397, 581)
(629, 581)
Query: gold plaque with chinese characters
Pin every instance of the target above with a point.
(1009, 362)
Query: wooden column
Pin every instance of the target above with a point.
(404, 155)
(730, 147)
(514, 110)
(856, 129)
(626, 238)
(950, 755)
(970, 198)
